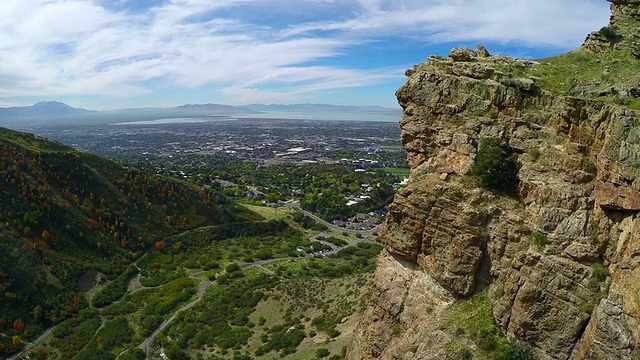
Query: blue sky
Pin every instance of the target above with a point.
(106, 54)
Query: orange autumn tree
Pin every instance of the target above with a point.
(46, 236)
(18, 325)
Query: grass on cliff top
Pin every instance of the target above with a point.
(580, 70)
(609, 69)
(473, 319)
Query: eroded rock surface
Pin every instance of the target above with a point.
(559, 260)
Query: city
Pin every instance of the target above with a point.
(345, 172)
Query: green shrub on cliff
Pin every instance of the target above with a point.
(610, 33)
(541, 240)
(473, 319)
(494, 167)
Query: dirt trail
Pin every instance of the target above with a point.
(135, 285)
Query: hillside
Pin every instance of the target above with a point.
(67, 217)
(517, 235)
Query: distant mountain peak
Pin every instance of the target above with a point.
(48, 103)
(57, 106)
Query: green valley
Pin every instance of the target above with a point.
(108, 262)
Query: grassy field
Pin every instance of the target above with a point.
(270, 213)
(398, 171)
(311, 299)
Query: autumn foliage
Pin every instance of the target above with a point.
(18, 325)
(65, 211)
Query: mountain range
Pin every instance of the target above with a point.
(53, 113)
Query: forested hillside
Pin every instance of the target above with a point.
(66, 216)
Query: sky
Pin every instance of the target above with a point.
(108, 54)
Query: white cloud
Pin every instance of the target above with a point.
(541, 22)
(79, 47)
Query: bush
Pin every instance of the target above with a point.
(534, 154)
(112, 291)
(610, 33)
(174, 351)
(322, 353)
(541, 240)
(513, 352)
(600, 272)
(494, 167)
(115, 333)
(335, 241)
(589, 166)
(465, 353)
(233, 267)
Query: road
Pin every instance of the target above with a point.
(364, 233)
(146, 344)
(45, 335)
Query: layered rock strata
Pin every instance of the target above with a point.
(559, 260)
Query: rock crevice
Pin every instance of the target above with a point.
(558, 260)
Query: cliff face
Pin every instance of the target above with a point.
(555, 266)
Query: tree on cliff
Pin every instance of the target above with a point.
(494, 166)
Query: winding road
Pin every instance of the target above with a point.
(146, 345)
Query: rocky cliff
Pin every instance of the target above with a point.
(549, 271)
